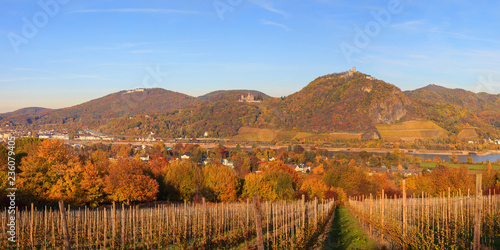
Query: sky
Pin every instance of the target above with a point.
(60, 53)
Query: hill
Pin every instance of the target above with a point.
(342, 102)
(345, 105)
(100, 111)
(231, 95)
(29, 110)
(218, 118)
(457, 109)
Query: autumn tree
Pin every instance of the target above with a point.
(222, 182)
(255, 184)
(94, 178)
(453, 158)
(183, 180)
(50, 171)
(489, 176)
(352, 179)
(127, 182)
(443, 177)
(277, 181)
(121, 151)
(3, 169)
(470, 160)
(315, 186)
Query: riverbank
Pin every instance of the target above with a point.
(413, 151)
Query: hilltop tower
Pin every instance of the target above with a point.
(351, 72)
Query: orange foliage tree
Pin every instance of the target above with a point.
(128, 182)
(221, 182)
(94, 178)
(51, 172)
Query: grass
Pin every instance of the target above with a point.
(346, 233)
(472, 167)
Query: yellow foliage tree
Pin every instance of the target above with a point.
(183, 180)
(314, 186)
(221, 181)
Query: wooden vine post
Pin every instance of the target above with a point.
(258, 222)
(64, 225)
(477, 213)
(382, 210)
(205, 240)
(404, 214)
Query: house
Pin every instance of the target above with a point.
(206, 161)
(186, 156)
(5, 136)
(144, 157)
(406, 172)
(60, 136)
(302, 168)
(228, 163)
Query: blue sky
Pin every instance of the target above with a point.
(61, 53)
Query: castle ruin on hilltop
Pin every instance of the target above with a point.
(248, 98)
(351, 72)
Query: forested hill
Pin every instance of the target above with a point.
(101, 111)
(343, 102)
(231, 95)
(456, 109)
(340, 102)
(28, 110)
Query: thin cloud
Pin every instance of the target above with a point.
(131, 10)
(406, 25)
(419, 26)
(149, 51)
(266, 22)
(269, 7)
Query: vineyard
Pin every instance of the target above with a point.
(284, 225)
(453, 220)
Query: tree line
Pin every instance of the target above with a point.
(49, 170)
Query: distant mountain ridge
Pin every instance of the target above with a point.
(28, 110)
(339, 102)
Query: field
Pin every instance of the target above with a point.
(411, 130)
(471, 167)
(268, 135)
(284, 225)
(468, 133)
(255, 134)
(454, 220)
